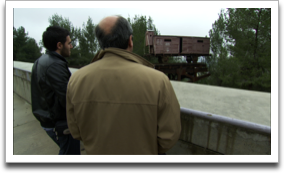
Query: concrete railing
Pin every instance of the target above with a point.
(202, 133)
(21, 83)
(205, 133)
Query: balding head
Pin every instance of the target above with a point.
(108, 23)
(113, 31)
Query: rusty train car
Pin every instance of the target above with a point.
(164, 47)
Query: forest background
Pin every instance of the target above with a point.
(240, 46)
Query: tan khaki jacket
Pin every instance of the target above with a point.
(117, 105)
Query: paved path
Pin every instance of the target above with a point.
(28, 136)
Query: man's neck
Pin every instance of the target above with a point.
(58, 51)
(130, 49)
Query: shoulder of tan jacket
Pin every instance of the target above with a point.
(95, 58)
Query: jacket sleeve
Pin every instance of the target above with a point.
(169, 123)
(58, 76)
(71, 119)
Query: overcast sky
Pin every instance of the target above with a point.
(187, 18)
(171, 22)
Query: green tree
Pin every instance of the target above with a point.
(249, 34)
(25, 49)
(30, 52)
(19, 39)
(241, 49)
(140, 25)
(88, 44)
(219, 63)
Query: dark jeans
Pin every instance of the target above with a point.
(68, 145)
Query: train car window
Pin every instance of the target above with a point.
(200, 41)
(167, 40)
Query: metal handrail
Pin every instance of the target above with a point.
(226, 120)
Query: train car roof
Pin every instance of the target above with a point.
(180, 36)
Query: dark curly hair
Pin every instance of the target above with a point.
(53, 35)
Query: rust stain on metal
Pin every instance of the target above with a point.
(177, 45)
(165, 46)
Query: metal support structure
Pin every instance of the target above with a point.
(178, 71)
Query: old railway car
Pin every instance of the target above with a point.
(164, 47)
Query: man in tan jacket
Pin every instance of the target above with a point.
(119, 104)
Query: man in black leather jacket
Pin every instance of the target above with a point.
(49, 79)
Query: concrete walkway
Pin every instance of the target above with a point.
(28, 136)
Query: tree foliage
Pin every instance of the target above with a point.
(88, 44)
(25, 49)
(85, 44)
(241, 49)
(140, 25)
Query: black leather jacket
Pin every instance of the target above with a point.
(49, 79)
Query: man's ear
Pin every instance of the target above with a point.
(130, 42)
(59, 45)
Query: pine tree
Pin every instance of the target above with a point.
(19, 39)
(87, 42)
(140, 25)
(241, 49)
(25, 49)
(249, 31)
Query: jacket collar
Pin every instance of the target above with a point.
(123, 53)
(53, 53)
